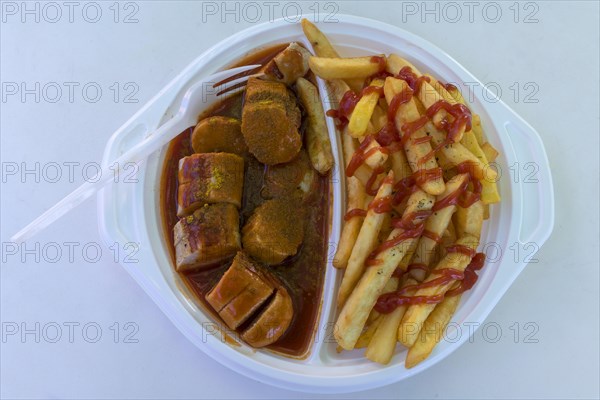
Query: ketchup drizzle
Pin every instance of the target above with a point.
(407, 74)
(470, 275)
(355, 212)
(460, 113)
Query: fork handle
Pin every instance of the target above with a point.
(163, 135)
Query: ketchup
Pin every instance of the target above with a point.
(422, 176)
(407, 74)
(399, 272)
(461, 196)
(372, 89)
(390, 140)
(404, 188)
(407, 222)
(411, 127)
(387, 135)
(432, 235)
(349, 101)
(460, 113)
(407, 186)
(422, 140)
(381, 61)
(381, 205)
(387, 302)
(449, 87)
(400, 98)
(369, 189)
(452, 198)
(470, 275)
(355, 212)
(415, 266)
(462, 249)
(360, 155)
(469, 197)
(370, 262)
(346, 106)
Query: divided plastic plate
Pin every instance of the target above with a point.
(129, 213)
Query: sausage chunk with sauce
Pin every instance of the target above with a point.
(289, 65)
(247, 292)
(219, 134)
(210, 235)
(272, 322)
(290, 179)
(240, 292)
(275, 230)
(270, 122)
(209, 178)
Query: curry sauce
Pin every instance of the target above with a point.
(302, 274)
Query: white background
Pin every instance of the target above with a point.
(559, 293)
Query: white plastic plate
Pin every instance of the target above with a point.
(130, 213)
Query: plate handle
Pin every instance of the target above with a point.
(532, 176)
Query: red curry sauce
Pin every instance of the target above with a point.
(303, 274)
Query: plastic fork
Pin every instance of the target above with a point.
(198, 97)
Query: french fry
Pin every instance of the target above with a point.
(468, 221)
(489, 193)
(408, 255)
(490, 152)
(407, 113)
(365, 243)
(320, 44)
(356, 84)
(477, 129)
(486, 211)
(367, 335)
(376, 156)
(355, 199)
(368, 273)
(356, 309)
(395, 63)
(323, 48)
(456, 153)
(470, 142)
(426, 93)
(386, 228)
(441, 89)
(382, 345)
(450, 235)
(317, 137)
(443, 162)
(432, 331)
(389, 287)
(373, 315)
(400, 165)
(349, 146)
(448, 238)
(357, 126)
(455, 92)
(416, 314)
(337, 88)
(449, 173)
(436, 225)
(379, 117)
(343, 68)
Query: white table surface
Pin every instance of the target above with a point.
(559, 294)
